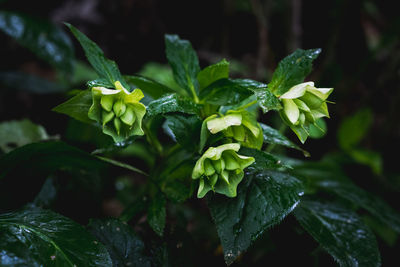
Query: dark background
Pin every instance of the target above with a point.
(360, 58)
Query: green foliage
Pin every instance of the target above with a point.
(197, 131)
(184, 63)
(292, 70)
(264, 199)
(123, 245)
(36, 237)
(340, 232)
(14, 134)
(43, 38)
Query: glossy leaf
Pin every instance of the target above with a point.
(77, 107)
(43, 38)
(123, 245)
(267, 100)
(225, 92)
(274, 137)
(185, 129)
(292, 70)
(213, 73)
(184, 63)
(264, 160)
(156, 213)
(37, 237)
(153, 88)
(340, 232)
(353, 129)
(46, 157)
(104, 67)
(378, 208)
(264, 199)
(172, 103)
(29, 83)
(14, 134)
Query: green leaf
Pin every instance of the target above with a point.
(225, 92)
(29, 83)
(264, 199)
(274, 137)
(264, 160)
(184, 63)
(43, 38)
(122, 165)
(172, 103)
(368, 157)
(46, 157)
(185, 129)
(378, 208)
(213, 73)
(266, 99)
(176, 183)
(156, 213)
(77, 107)
(14, 134)
(152, 88)
(292, 70)
(319, 130)
(37, 237)
(106, 68)
(354, 128)
(123, 245)
(340, 232)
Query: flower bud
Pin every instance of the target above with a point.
(220, 169)
(239, 125)
(119, 106)
(107, 116)
(303, 104)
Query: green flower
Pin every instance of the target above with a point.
(220, 169)
(118, 111)
(303, 104)
(240, 125)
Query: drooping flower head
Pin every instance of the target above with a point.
(303, 104)
(220, 169)
(118, 111)
(240, 125)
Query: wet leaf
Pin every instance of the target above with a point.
(292, 70)
(264, 160)
(122, 165)
(77, 107)
(43, 38)
(274, 137)
(185, 129)
(172, 103)
(184, 63)
(340, 232)
(213, 73)
(123, 245)
(105, 68)
(153, 88)
(378, 208)
(225, 92)
(264, 199)
(14, 134)
(37, 237)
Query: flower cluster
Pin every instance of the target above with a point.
(118, 111)
(239, 125)
(220, 169)
(303, 104)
